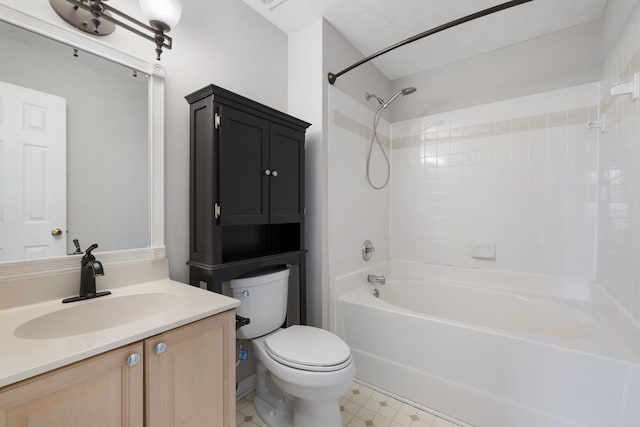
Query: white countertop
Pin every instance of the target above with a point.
(22, 358)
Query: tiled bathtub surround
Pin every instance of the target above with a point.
(617, 268)
(520, 174)
(356, 211)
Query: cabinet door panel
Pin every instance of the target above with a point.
(244, 156)
(286, 156)
(100, 392)
(203, 181)
(192, 383)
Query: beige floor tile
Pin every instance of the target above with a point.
(439, 422)
(346, 417)
(393, 403)
(357, 422)
(403, 419)
(381, 421)
(365, 414)
(408, 409)
(426, 417)
(360, 407)
(351, 407)
(366, 391)
(359, 399)
(247, 410)
(388, 412)
(373, 405)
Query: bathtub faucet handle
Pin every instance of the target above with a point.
(367, 250)
(379, 280)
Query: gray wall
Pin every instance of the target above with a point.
(558, 60)
(228, 44)
(314, 51)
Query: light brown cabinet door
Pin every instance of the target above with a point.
(103, 391)
(191, 382)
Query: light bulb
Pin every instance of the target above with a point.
(162, 14)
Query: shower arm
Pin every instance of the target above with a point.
(333, 77)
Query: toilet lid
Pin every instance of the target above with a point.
(308, 348)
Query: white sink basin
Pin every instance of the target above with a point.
(97, 314)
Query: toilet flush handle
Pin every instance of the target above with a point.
(242, 294)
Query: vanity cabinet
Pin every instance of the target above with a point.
(184, 377)
(247, 199)
(191, 375)
(102, 391)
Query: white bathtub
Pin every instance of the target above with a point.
(494, 349)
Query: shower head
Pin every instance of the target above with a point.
(373, 95)
(405, 91)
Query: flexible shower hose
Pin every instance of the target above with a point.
(374, 138)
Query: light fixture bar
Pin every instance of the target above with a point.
(129, 23)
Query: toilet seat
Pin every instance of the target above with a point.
(308, 348)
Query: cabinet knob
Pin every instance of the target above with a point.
(267, 172)
(160, 348)
(133, 359)
(274, 173)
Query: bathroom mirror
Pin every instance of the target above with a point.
(80, 146)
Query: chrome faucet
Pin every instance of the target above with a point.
(380, 280)
(89, 269)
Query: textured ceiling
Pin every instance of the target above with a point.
(372, 25)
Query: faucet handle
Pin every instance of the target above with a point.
(88, 256)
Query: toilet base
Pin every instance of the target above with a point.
(271, 416)
(278, 409)
(316, 413)
(325, 413)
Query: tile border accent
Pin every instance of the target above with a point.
(501, 127)
(349, 124)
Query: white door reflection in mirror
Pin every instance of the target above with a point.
(33, 172)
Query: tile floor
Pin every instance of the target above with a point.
(360, 407)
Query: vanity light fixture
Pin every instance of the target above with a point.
(99, 18)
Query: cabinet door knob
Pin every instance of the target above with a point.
(274, 173)
(133, 359)
(160, 348)
(267, 172)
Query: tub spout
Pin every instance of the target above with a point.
(380, 280)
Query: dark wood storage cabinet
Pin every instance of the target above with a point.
(246, 191)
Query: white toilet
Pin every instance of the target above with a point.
(302, 371)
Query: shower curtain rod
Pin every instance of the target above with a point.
(333, 77)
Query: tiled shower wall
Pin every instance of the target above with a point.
(519, 174)
(356, 211)
(618, 266)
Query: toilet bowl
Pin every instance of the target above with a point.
(312, 377)
(302, 371)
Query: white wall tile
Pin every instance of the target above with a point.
(618, 249)
(528, 190)
(356, 211)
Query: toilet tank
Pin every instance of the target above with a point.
(263, 299)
